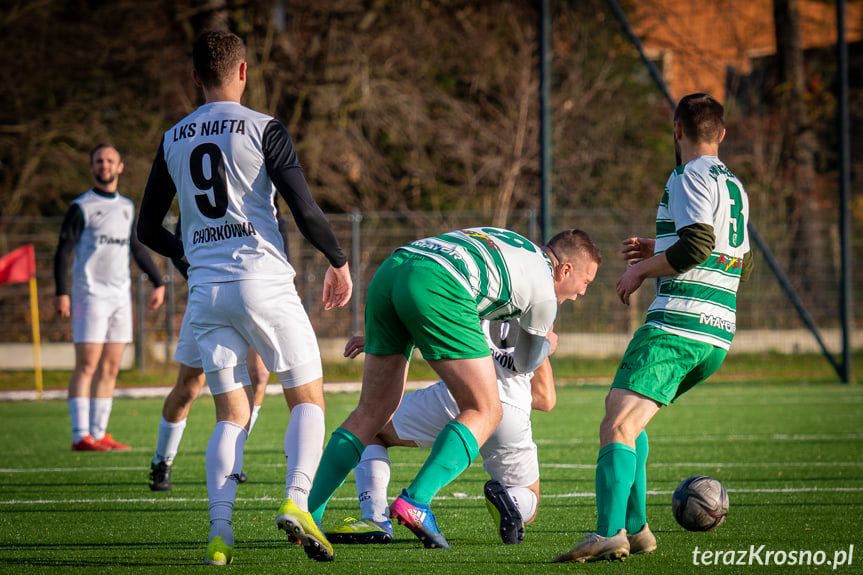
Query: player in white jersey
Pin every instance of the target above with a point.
(700, 254)
(225, 162)
(99, 230)
(509, 455)
(432, 294)
(190, 382)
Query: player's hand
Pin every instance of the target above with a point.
(157, 296)
(355, 346)
(637, 249)
(551, 336)
(62, 305)
(630, 281)
(338, 287)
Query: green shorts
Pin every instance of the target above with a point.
(414, 301)
(664, 366)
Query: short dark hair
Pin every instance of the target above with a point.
(215, 56)
(571, 244)
(101, 147)
(701, 116)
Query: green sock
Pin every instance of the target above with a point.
(340, 456)
(615, 473)
(453, 450)
(636, 506)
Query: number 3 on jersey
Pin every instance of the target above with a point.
(216, 181)
(736, 229)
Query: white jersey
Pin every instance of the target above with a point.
(701, 303)
(217, 160)
(507, 274)
(510, 454)
(514, 387)
(101, 266)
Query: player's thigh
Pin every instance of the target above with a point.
(423, 413)
(439, 312)
(187, 353)
(220, 344)
(385, 333)
(510, 454)
(656, 363)
(471, 381)
(120, 324)
(95, 320)
(230, 317)
(413, 300)
(277, 327)
(711, 361)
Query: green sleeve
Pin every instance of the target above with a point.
(748, 266)
(694, 247)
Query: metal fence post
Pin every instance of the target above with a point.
(356, 305)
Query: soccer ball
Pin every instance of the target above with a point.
(700, 503)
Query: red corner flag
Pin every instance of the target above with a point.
(18, 266)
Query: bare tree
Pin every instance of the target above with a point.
(799, 146)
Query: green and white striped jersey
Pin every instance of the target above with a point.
(507, 274)
(701, 303)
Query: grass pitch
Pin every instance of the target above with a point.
(790, 455)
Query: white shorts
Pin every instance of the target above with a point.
(187, 348)
(267, 315)
(97, 320)
(509, 455)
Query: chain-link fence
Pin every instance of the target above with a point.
(368, 238)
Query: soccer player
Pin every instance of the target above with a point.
(178, 402)
(99, 230)
(699, 256)
(509, 456)
(224, 162)
(433, 293)
(190, 382)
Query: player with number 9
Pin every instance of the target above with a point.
(224, 162)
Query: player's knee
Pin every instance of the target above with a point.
(618, 430)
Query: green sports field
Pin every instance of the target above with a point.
(790, 455)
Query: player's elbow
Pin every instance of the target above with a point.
(530, 351)
(543, 403)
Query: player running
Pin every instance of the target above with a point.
(224, 162)
(509, 456)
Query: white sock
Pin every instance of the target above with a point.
(170, 435)
(100, 412)
(224, 464)
(79, 413)
(525, 500)
(304, 444)
(254, 417)
(373, 476)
